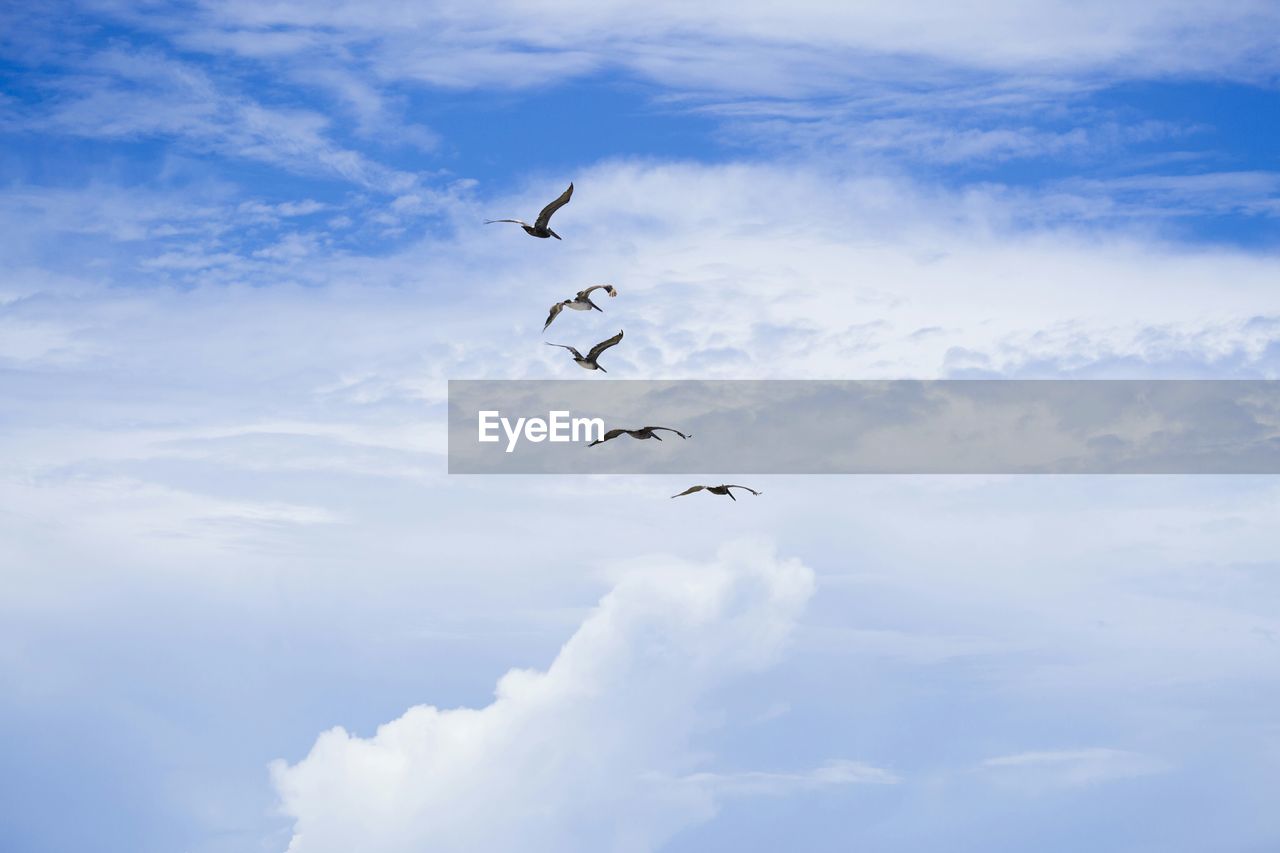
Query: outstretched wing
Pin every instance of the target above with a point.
(516, 221)
(608, 436)
(545, 216)
(689, 491)
(608, 288)
(602, 346)
(555, 312)
(668, 429)
(576, 354)
(752, 491)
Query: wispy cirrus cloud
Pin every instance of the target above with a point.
(752, 44)
(1155, 196)
(758, 783)
(1070, 767)
(116, 93)
(925, 85)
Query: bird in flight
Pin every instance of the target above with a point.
(581, 302)
(716, 490)
(642, 433)
(540, 227)
(588, 362)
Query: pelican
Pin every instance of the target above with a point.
(539, 228)
(716, 490)
(581, 302)
(588, 362)
(642, 433)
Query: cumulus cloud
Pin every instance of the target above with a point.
(597, 752)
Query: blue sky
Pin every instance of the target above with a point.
(242, 253)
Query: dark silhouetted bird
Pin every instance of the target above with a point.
(588, 362)
(581, 302)
(716, 490)
(540, 226)
(642, 433)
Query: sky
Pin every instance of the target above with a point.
(246, 608)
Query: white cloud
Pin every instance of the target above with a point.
(1157, 195)
(946, 126)
(595, 753)
(257, 209)
(741, 270)
(754, 783)
(747, 270)
(1071, 767)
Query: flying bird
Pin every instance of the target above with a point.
(588, 362)
(581, 302)
(642, 433)
(716, 490)
(540, 226)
